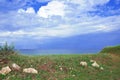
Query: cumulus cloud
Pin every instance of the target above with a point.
(57, 19)
(53, 8)
(29, 10)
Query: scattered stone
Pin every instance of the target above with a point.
(73, 75)
(92, 61)
(61, 68)
(45, 63)
(5, 70)
(83, 63)
(101, 68)
(30, 70)
(15, 66)
(71, 68)
(95, 65)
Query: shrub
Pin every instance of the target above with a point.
(6, 50)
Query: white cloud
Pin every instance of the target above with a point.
(27, 23)
(94, 24)
(82, 6)
(29, 10)
(5, 34)
(53, 8)
(89, 2)
(21, 11)
(43, 0)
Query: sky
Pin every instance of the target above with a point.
(60, 24)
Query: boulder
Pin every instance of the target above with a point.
(15, 66)
(5, 70)
(83, 63)
(95, 64)
(30, 70)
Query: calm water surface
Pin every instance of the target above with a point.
(52, 52)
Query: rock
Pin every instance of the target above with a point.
(5, 70)
(101, 68)
(30, 70)
(15, 66)
(95, 65)
(61, 68)
(83, 63)
(73, 75)
(92, 61)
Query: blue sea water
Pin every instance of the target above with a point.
(55, 52)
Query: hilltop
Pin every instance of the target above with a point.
(112, 50)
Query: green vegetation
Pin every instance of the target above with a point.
(112, 50)
(6, 50)
(49, 67)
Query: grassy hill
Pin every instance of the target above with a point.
(112, 50)
(49, 66)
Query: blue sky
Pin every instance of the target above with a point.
(60, 24)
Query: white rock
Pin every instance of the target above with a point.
(92, 61)
(101, 68)
(61, 68)
(95, 65)
(5, 70)
(71, 68)
(15, 66)
(83, 63)
(30, 70)
(73, 75)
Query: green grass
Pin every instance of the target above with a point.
(111, 64)
(112, 49)
(48, 67)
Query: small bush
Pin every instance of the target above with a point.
(6, 50)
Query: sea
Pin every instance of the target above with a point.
(55, 52)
